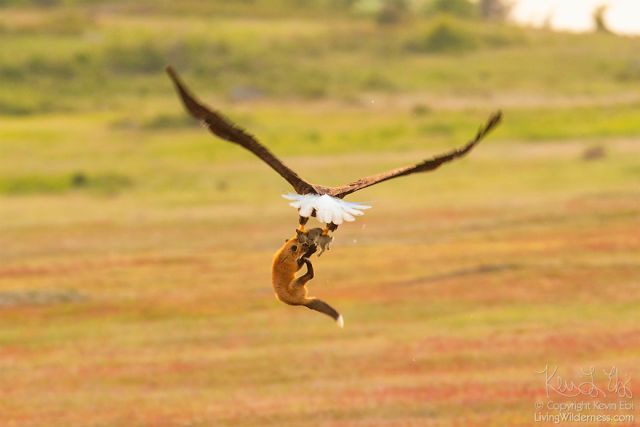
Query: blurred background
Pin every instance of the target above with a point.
(135, 248)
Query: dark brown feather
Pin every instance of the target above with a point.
(424, 166)
(225, 129)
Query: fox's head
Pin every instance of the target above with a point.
(293, 249)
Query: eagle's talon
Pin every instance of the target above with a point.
(302, 220)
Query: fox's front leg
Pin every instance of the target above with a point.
(302, 280)
(312, 250)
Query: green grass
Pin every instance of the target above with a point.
(57, 184)
(457, 287)
(107, 59)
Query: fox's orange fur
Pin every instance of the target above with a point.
(291, 290)
(285, 266)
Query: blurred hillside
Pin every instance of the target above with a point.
(80, 81)
(98, 55)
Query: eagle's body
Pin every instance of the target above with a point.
(323, 202)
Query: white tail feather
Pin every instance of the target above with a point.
(328, 209)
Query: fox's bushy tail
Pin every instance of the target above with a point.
(323, 307)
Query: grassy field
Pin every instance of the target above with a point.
(135, 249)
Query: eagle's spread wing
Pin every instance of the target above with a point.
(225, 129)
(424, 166)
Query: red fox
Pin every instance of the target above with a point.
(291, 290)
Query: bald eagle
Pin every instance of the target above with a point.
(323, 202)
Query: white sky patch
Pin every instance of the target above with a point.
(622, 16)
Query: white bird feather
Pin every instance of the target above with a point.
(328, 209)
